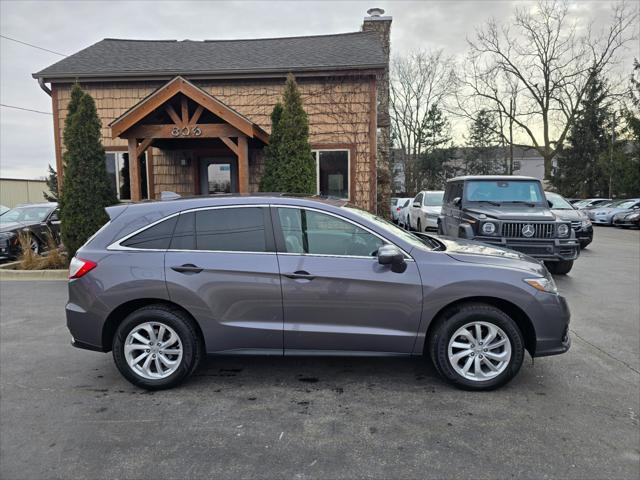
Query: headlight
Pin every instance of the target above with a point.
(489, 228)
(563, 230)
(543, 284)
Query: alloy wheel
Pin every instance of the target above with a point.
(153, 350)
(479, 351)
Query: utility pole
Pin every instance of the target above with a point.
(511, 109)
(613, 139)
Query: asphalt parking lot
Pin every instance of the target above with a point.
(67, 413)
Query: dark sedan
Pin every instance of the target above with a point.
(627, 219)
(580, 222)
(38, 221)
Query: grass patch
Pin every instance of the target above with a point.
(53, 258)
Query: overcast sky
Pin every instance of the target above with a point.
(26, 138)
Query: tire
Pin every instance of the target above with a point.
(439, 229)
(408, 224)
(584, 245)
(418, 226)
(35, 245)
(452, 322)
(560, 268)
(189, 344)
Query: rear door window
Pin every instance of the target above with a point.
(231, 229)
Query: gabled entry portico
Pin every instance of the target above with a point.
(179, 116)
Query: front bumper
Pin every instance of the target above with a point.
(553, 338)
(601, 219)
(585, 234)
(552, 250)
(625, 223)
(431, 221)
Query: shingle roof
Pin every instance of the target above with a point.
(114, 57)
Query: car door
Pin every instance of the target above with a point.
(221, 265)
(336, 296)
(414, 209)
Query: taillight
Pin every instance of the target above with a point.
(398, 209)
(79, 267)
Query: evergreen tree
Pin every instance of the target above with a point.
(270, 179)
(289, 166)
(481, 156)
(86, 189)
(52, 185)
(578, 172)
(433, 163)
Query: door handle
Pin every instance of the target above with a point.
(300, 274)
(187, 268)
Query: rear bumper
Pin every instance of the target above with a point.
(85, 329)
(552, 250)
(553, 338)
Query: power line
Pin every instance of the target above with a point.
(34, 46)
(25, 109)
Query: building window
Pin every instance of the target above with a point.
(117, 164)
(332, 172)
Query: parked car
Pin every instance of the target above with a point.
(508, 211)
(166, 282)
(604, 215)
(424, 210)
(36, 220)
(592, 203)
(3, 210)
(396, 205)
(580, 222)
(403, 214)
(627, 219)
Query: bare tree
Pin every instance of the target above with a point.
(419, 82)
(534, 74)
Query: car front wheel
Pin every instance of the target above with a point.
(477, 347)
(156, 347)
(560, 268)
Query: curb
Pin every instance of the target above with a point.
(33, 274)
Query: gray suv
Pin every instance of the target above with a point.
(164, 283)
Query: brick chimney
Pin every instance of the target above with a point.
(379, 24)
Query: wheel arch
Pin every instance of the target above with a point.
(515, 312)
(118, 314)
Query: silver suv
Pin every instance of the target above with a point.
(164, 283)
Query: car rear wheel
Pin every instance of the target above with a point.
(408, 224)
(419, 226)
(560, 268)
(156, 347)
(34, 245)
(477, 347)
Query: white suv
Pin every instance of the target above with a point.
(425, 209)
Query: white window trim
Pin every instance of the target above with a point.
(119, 154)
(316, 154)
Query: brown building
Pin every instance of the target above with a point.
(195, 115)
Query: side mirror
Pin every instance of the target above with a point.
(549, 203)
(457, 202)
(390, 255)
(416, 204)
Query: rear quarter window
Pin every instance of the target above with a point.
(157, 237)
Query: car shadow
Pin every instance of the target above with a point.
(317, 372)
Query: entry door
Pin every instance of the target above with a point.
(336, 296)
(218, 175)
(222, 267)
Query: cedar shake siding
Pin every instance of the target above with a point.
(138, 84)
(339, 111)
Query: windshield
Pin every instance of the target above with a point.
(504, 191)
(558, 202)
(433, 199)
(25, 214)
(624, 204)
(414, 240)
